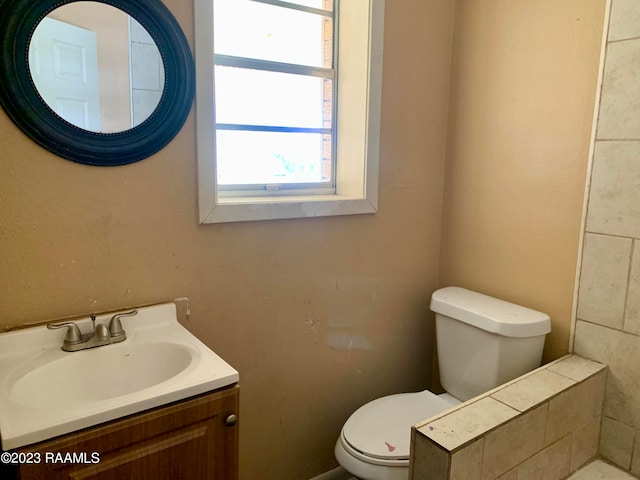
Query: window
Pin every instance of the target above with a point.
(288, 107)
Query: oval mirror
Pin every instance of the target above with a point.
(96, 67)
(106, 82)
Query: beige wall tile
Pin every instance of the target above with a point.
(585, 444)
(533, 390)
(428, 462)
(576, 367)
(616, 442)
(614, 209)
(468, 423)
(621, 352)
(620, 98)
(614, 198)
(632, 311)
(590, 394)
(625, 19)
(603, 280)
(573, 409)
(513, 442)
(599, 406)
(552, 463)
(467, 462)
(545, 442)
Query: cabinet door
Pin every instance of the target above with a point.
(189, 440)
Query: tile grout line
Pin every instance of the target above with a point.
(591, 322)
(613, 235)
(628, 285)
(621, 40)
(618, 140)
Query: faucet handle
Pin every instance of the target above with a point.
(115, 326)
(102, 332)
(73, 332)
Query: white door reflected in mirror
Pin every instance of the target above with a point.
(96, 67)
(63, 60)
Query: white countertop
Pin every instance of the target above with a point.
(46, 392)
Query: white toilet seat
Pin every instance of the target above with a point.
(369, 471)
(374, 443)
(404, 462)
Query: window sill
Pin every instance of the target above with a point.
(242, 209)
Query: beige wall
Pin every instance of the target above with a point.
(608, 314)
(522, 97)
(281, 301)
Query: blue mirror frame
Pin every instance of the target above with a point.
(22, 103)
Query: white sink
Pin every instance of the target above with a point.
(48, 392)
(98, 374)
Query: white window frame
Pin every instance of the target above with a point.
(361, 26)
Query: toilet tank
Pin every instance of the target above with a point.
(484, 342)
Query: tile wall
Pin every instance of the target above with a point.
(607, 328)
(541, 426)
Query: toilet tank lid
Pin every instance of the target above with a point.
(490, 314)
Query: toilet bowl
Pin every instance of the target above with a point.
(482, 343)
(379, 449)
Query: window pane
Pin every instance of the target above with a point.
(255, 97)
(267, 157)
(266, 32)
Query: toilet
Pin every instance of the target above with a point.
(482, 343)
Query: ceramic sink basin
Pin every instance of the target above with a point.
(101, 374)
(48, 392)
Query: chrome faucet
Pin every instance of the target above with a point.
(100, 335)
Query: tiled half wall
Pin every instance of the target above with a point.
(608, 315)
(543, 425)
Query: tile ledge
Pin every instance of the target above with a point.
(489, 393)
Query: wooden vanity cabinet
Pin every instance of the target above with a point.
(191, 439)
